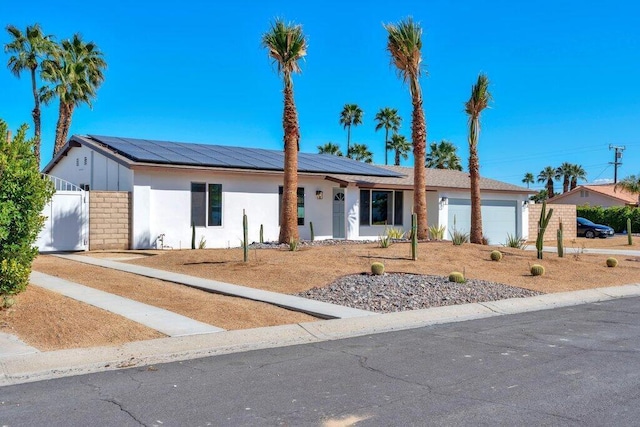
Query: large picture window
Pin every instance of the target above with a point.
(378, 207)
(200, 215)
(300, 204)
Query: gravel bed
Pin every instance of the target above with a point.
(400, 292)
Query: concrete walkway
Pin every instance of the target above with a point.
(10, 345)
(167, 322)
(315, 308)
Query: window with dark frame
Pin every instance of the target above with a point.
(198, 204)
(381, 207)
(215, 205)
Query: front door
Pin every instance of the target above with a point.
(339, 229)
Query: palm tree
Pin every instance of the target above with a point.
(479, 100)
(563, 172)
(540, 196)
(330, 148)
(443, 156)
(577, 172)
(630, 184)
(30, 49)
(547, 175)
(361, 153)
(75, 71)
(286, 45)
(528, 179)
(401, 146)
(405, 44)
(388, 119)
(351, 115)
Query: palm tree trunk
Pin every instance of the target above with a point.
(397, 159)
(565, 184)
(419, 137)
(349, 141)
(36, 116)
(57, 146)
(289, 219)
(475, 234)
(550, 188)
(386, 146)
(574, 183)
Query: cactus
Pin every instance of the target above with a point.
(542, 227)
(496, 255)
(313, 236)
(245, 235)
(414, 236)
(537, 270)
(456, 277)
(193, 235)
(377, 268)
(560, 238)
(612, 262)
(629, 237)
(261, 233)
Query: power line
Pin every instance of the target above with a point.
(616, 160)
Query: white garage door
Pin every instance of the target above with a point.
(498, 218)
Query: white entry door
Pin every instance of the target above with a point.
(339, 229)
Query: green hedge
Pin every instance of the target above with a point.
(615, 216)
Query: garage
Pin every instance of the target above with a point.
(498, 218)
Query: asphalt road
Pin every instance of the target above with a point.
(570, 366)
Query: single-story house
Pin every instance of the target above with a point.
(173, 185)
(604, 195)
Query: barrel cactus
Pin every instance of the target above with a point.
(456, 277)
(496, 255)
(612, 262)
(377, 268)
(537, 270)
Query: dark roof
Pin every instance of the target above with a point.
(220, 156)
(436, 179)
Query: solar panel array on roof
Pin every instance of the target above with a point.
(181, 153)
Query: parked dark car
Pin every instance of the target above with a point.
(591, 230)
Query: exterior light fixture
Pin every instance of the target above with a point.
(319, 194)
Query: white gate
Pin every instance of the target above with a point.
(66, 225)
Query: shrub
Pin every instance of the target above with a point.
(537, 270)
(612, 262)
(615, 216)
(377, 268)
(203, 243)
(394, 233)
(293, 245)
(456, 277)
(458, 237)
(384, 241)
(23, 195)
(436, 233)
(496, 255)
(513, 241)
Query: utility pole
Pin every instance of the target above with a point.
(616, 160)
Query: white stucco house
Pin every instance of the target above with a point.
(173, 185)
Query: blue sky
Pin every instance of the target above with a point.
(565, 75)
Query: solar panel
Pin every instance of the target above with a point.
(181, 153)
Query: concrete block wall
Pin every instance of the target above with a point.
(565, 212)
(109, 220)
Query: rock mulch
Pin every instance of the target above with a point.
(393, 292)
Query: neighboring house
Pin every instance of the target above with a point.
(174, 185)
(596, 195)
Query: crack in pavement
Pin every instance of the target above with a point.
(123, 409)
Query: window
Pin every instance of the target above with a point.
(198, 204)
(215, 204)
(300, 204)
(584, 193)
(380, 207)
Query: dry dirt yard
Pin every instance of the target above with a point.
(49, 321)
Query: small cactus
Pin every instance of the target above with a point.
(377, 268)
(456, 277)
(612, 262)
(496, 255)
(537, 270)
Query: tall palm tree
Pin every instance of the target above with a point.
(361, 153)
(351, 115)
(528, 179)
(400, 146)
(30, 49)
(404, 43)
(630, 184)
(479, 100)
(547, 175)
(76, 73)
(577, 172)
(443, 155)
(330, 148)
(286, 45)
(388, 119)
(563, 172)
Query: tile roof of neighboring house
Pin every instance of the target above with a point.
(436, 178)
(136, 152)
(608, 190)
